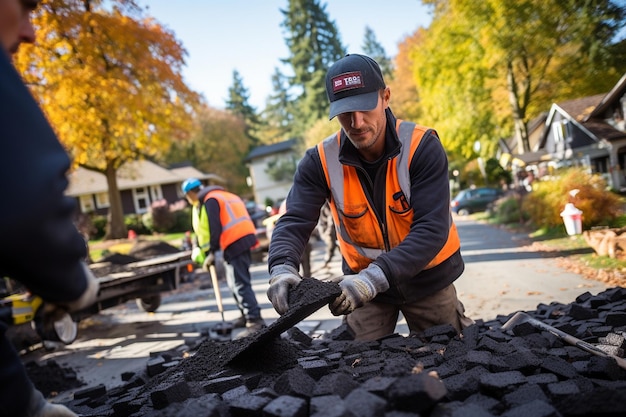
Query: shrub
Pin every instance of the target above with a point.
(548, 198)
(508, 209)
(164, 218)
(134, 222)
(99, 223)
(159, 218)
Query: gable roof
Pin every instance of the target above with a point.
(577, 111)
(265, 150)
(615, 94)
(131, 175)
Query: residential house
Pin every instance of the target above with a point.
(140, 184)
(267, 181)
(588, 132)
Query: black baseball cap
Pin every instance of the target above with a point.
(352, 84)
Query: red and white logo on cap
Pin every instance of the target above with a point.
(347, 81)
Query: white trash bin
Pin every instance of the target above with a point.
(572, 217)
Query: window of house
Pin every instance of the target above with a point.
(560, 130)
(156, 193)
(86, 203)
(102, 200)
(141, 199)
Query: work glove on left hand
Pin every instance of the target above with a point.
(356, 290)
(282, 278)
(208, 261)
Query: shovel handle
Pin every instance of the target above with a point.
(216, 289)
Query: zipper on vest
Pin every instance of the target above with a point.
(383, 229)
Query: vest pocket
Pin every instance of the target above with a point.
(361, 226)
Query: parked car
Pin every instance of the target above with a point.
(472, 200)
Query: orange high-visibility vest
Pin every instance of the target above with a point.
(236, 222)
(362, 236)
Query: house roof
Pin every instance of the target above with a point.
(265, 150)
(615, 94)
(131, 175)
(581, 108)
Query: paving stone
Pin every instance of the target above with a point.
(502, 382)
(363, 403)
(295, 382)
(559, 367)
(286, 406)
(524, 394)
(174, 393)
(336, 383)
(248, 405)
(535, 408)
(416, 392)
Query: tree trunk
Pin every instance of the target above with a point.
(518, 111)
(116, 229)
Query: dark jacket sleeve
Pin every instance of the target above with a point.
(304, 201)
(215, 225)
(39, 244)
(430, 200)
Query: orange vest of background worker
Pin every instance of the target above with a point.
(234, 217)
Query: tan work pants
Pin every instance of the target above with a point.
(375, 320)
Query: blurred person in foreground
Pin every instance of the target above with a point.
(39, 245)
(386, 181)
(221, 223)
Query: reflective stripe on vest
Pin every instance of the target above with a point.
(234, 217)
(361, 237)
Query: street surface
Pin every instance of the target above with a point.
(503, 274)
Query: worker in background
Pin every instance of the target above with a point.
(386, 181)
(327, 232)
(222, 223)
(270, 222)
(39, 244)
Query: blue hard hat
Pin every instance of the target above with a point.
(190, 184)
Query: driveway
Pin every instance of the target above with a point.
(504, 273)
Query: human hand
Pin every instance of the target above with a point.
(282, 277)
(197, 255)
(208, 261)
(358, 289)
(88, 297)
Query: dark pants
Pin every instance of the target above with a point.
(240, 283)
(15, 387)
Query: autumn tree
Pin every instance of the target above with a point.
(218, 145)
(314, 45)
(405, 100)
(109, 79)
(518, 56)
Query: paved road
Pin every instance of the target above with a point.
(502, 275)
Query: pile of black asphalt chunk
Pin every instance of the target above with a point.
(485, 371)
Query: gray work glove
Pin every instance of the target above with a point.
(39, 407)
(282, 277)
(356, 290)
(208, 261)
